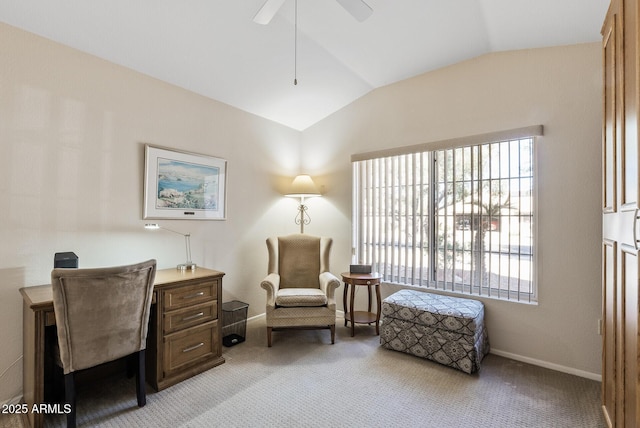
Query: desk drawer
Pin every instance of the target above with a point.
(365, 281)
(180, 297)
(189, 347)
(190, 316)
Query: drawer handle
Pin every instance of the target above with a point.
(192, 317)
(193, 296)
(368, 282)
(193, 348)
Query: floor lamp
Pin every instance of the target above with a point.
(303, 187)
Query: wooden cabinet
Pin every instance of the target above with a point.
(621, 224)
(185, 326)
(184, 336)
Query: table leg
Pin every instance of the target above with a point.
(352, 314)
(378, 309)
(344, 302)
(33, 364)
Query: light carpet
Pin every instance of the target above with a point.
(303, 380)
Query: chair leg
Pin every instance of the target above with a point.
(269, 330)
(70, 398)
(132, 364)
(140, 379)
(333, 334)
(58, 384)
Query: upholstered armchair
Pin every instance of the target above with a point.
(102, 315)
(300, 288)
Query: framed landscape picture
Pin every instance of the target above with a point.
(182, 185)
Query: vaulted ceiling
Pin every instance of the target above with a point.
(213, 47)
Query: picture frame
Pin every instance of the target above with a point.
(183, 185)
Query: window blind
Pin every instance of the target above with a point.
(458, 219)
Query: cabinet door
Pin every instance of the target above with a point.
(611, 293)
(620, 215)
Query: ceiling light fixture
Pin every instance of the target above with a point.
(267, 11)
(357, 8)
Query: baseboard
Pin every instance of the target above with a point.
(255, 317)
(548, 365)
(516, 357)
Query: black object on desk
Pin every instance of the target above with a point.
(360, 268)
(65, 260)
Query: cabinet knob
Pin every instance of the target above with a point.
(368, 282)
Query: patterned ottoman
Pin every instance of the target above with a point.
(448, 330)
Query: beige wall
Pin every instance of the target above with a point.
(559, 88)
(72, 134)
(72, 129)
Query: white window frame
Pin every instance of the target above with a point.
(427, 278)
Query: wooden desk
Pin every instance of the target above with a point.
(361, 317)
(184, 336)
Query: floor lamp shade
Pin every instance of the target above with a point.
(303, 187)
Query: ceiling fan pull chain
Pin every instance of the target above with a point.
(295, 46)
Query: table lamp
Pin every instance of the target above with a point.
(188, 265)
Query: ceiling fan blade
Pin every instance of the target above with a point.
(357, 8)
(267, 11)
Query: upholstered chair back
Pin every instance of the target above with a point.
(299, 259)
(101, 314)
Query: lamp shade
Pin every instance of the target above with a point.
(303, 186)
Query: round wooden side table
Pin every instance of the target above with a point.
(361, 317)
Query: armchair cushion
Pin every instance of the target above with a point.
(299, 261)
(293, 297)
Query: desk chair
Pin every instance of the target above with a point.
(300, 288)
(102, 315)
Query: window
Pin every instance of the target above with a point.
(457, 219)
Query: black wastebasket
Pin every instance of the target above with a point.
(234, 322)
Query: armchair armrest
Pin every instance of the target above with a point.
(328, 283)
(271, 284)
